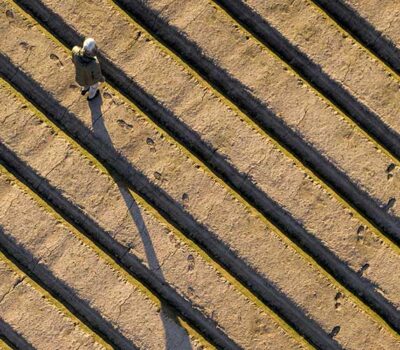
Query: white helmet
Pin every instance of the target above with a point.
(89, 47)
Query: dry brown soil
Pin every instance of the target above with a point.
(383, 15)
(206, 247)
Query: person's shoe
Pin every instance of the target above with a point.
(95, 95)
(84, 91)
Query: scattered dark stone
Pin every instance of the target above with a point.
(390, 204)
(107, 95)
(24, 45)
(360, 233)
(190, 260)
(335, 330)
(337, 297)
(157, 175)
(9, 14)
(390, 168)
(363, 268)
(37, 121)
(185, 197)
(122, 123)
(149, 141)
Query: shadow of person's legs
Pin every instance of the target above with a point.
(101, 132)
(154, 265)
(99, 128)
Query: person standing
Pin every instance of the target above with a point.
(87, 68)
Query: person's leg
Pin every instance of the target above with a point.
(93, 91)
(84, 89)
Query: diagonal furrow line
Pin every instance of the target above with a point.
(237, 94)
(364, 32)
(182, 238)
(61, 293)
(113, 249)
(256, 197)
(168, 208)
(79, 308)
(314, 75)
(12, 334)
(5, 343)
(12, 339)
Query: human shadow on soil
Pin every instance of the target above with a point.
(170, 208)
(262, 115)
(88, 226)
(12, 338)
(100, 130)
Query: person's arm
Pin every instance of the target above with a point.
(75, 51)
(97, 75)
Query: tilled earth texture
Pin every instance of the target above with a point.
(235, 185)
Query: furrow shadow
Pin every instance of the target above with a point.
(271, 210)
(166, 206)
(314, 75)
(25, 262)
(11, 338)
(118, 252)
(239, 95)
(359, 28)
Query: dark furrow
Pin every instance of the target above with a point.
(5, 344)
(313, 74)
(12, 338)
(58, 290)
(256, 197)
(119, 253)
(363, 31)
(239, 95)
(166, 206)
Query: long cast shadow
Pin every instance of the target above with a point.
(169, 208)
(118, 252)
(255, 108)
(234, 90)
(273, 211)
(100, 131)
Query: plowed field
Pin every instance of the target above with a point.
(234, 186)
